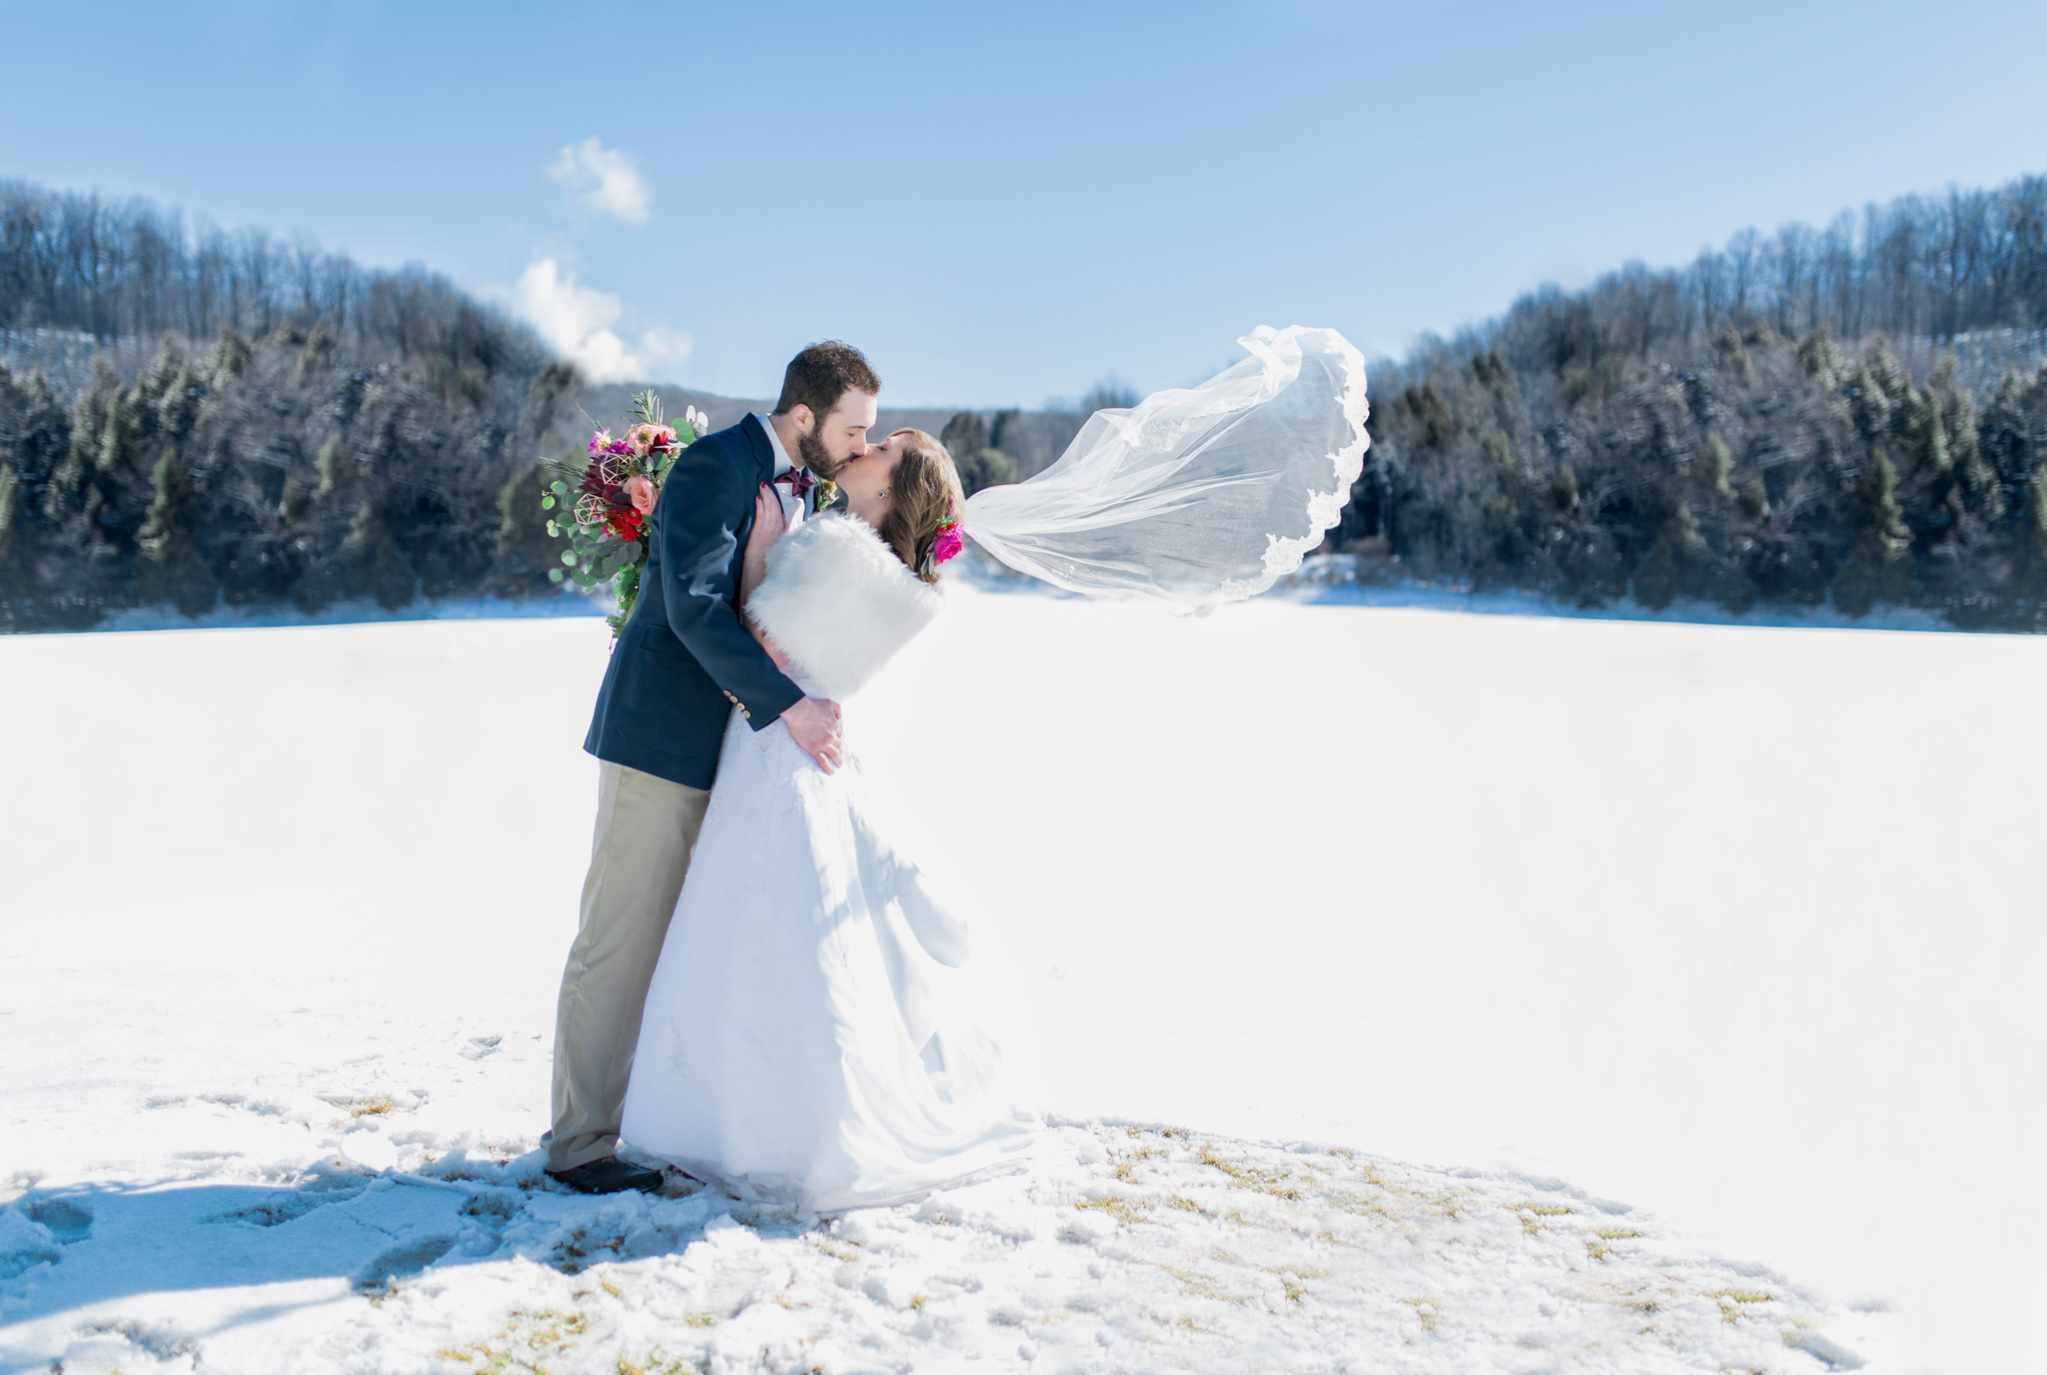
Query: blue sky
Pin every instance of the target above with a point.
(1006, 202)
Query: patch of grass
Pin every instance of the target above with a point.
(1351, 1201)
(1180, 1132)
(1183, 1203)
(1731, 1301)
(1198, 1285)
(1249, 1177)
(526, 1340)
(361, 1107)
(1119, 1208)
(1126, 1165)
(1598, 1244)
(657, 1363)
(1290, 1280)
(1532, 1214)
(1426, 1311)
(702, 1320)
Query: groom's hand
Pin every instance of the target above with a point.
(814, 725)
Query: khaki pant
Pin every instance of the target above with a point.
(646, 828)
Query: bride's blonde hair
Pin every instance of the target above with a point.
(924, 493)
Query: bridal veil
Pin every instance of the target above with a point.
(1200, 495)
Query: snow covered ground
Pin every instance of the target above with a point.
(1727, 937)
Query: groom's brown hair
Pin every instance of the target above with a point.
(821, 374)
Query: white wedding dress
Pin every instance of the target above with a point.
(808, 1037)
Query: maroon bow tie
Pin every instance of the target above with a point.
(799, 480)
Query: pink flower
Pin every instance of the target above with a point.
(641, 493)
(600, 442)
(646, 438)
(948, 544)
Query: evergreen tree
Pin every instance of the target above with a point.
(2031, 561)
(985, 468)
(964, 434)
(1720, 466)
(1874, 571)
(13, 524)
(88, 428)
(1819, 358)
(177, 409)
(231, 354)
(525, 552)
(171, 568)
(1675, 560)
(980, 463)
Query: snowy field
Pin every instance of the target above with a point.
(1522, 994)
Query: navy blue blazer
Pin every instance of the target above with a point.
(684, 660)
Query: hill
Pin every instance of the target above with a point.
(1707, 434)
(195, 420)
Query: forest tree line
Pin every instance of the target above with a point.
(307, 431)
(1742, 431)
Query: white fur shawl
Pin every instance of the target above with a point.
(839, 603)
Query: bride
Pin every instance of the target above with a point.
(807, 1037)
(802, 1041)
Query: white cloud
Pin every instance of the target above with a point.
(604, 179)
(578, 322)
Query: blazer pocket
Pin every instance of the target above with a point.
(665, 646)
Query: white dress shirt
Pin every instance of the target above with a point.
(792, 506)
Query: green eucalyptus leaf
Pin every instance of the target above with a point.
(558, 487)
(569, 558)
(554, 575)
(547, 503)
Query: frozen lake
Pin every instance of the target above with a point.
(1739, 926)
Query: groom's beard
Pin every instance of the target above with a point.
(810, 449)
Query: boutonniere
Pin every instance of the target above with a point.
(815, 493)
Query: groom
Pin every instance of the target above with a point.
(684, 663)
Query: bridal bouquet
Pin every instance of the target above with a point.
(602, 505)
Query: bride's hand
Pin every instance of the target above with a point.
(769, 524)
